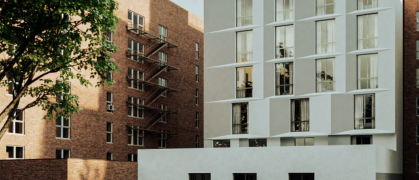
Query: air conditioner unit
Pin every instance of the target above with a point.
(109, 107)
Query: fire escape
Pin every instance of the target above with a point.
(156, 87)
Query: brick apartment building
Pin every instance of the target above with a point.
(411, 91)
(155, 102)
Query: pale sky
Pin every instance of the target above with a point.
(194, 6)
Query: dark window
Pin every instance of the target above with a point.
(162, 140)
(62, 127)
(135, 137)
(221, 143)
(301, 176)
(135, 77)
(300, 115)
(417, 106)
(132, 157)
(17, 124)
(109, 101)
(359, 140)
(62, 153)
(257, 143)
(197, 51)
(284, 78)
(244, 84)
(109, 132)
(197, 73)
(244, 176)
(197, 141)
(365, 111)
(14, 152)
(197, 120)
(109, 156)
(134, 108)
(199, 176)
(196, 97)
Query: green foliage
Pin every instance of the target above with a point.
(38, 36)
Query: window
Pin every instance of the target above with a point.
(240, 118)
(163, 113)
(66, 23)
(197, 120)
(417, 135)
(417, 49)
(109, 101)
(244, 12)
(199, 176)
(244, 46)
(257, 143)
(135, 50)
(15, 152)
(417, 106)
(360, 140)
(197, 141)
(301, 176)
(368, 31)
(196, 73)
(132, 157)
(162, 60)
(417, 77)
(67, 89)
(197, 97)
(62, 127)
(244, 83)
(135, 137)
(196, 51)
(284, 78)
(284, 10)
(109, 75)
(244, 176)
(109, 132)
(303, 141)
(367, 4)
(417, 20)
(62, 153)
(11, 89)
(162, 33)
(136, 76)
(163, 83)
(284, 41)
(325, 36)
(162, 140)
(417, 163)
(109, 37)
(134, 109)
(221, 143)
(368, 71)
(365, 111)
(325, 73)
(17, 124)
(135, 22)
(300, 115)
(109, 156)
(325, 7)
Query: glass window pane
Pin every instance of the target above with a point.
(299, 141)
(9, 151)
(309, 141)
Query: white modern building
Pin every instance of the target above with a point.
(296, 89)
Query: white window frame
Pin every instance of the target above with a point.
(140, 110)
(140, 76)
(288, 43)
(14, 151)
(246, 16)
(69, 90)
(284, 12)
(197, 97)
(140, 50)
(241, 89)
(318, 13)
(62, 127)
(244, 53)
(361, 2)
(364, 119)
(110, 133)
(15, 121)
(163, 82)
(278, 84)
(197, 73)
(237, 127)
(109, 38)
(131, 157)
(319, 45)
(162, 60)
(62, 153)
(197, 120)
(319, 81)
(13, 87)
(162, 140)
(132, 23)
(162, 33)
(109, 102)
(368, 39)
(368, 79)
(140, 135)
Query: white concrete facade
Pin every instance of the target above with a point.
(331, 114)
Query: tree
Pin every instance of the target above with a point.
(43, 37)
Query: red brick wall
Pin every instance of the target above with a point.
(67, 169)
(88, 128)
(410, 91)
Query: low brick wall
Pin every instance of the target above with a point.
(67, 169)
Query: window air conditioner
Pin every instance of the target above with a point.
(109, 107)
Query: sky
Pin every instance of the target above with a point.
(194, 6)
